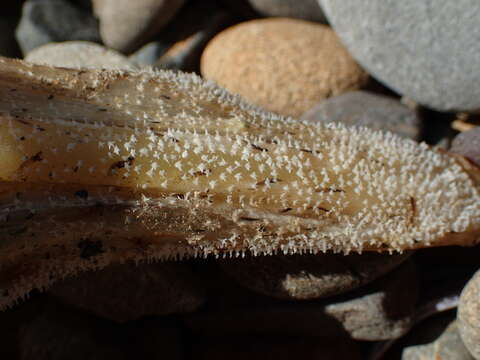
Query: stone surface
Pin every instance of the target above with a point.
(180, 44)
(278, 348)
(436, 339)
(379, 311)
(305, 9)
(79, 54)
(128, 292)
(283, 65)
(56, 333)
(53, 21)
(125, 25)
(309, 276)
(408, 45)
(468, 315)
(468, 144)
(361, 108)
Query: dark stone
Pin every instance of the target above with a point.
(309, 276)
(361, 108)
(379, 311)
(129, 292)
(59, 333)
(278, 348)
(45, 21)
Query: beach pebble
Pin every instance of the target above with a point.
(125, 25)
(468, 315)
(128, 292)
(362, 108)
(422, 49)
(308, 276)
(468, 144)
(48, 21)
(436, 338)
(283, 65)
(79, 54)
(180, 44)
(379, 311)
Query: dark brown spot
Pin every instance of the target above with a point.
(323, 209)
(329, 190)
(246, 218)
(285, 210)
(256, 147)
(121, 164)
(89, 248)
(166, 97)
(82, 194)
(50, 97)
(306, 150)
(37, 157)
(270, 180)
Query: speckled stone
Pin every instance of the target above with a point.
(468, 144)
(278, 348)
(48, 21)
(125, 25)
(128, 292)
(468, 315)
(436, 339)
(307, 276)
(79, 54)
(362, 108)
(284, 65)
(426, 50)
(379, 311)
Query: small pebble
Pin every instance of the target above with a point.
(129, 292)
(307, 276)
(361, 108)
(125, 25)
(284, 65)
(382, 310)
(48, 21)
(468, 144)
(426, 50)
(468, 315)
(79, 54)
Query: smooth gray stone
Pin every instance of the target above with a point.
(428, 50)
(45, 21)
(304, 9)
(362, 108)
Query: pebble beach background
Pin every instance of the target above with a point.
(410, 67)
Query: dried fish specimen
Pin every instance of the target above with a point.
(109, 166)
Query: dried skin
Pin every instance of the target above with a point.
(109, 166)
